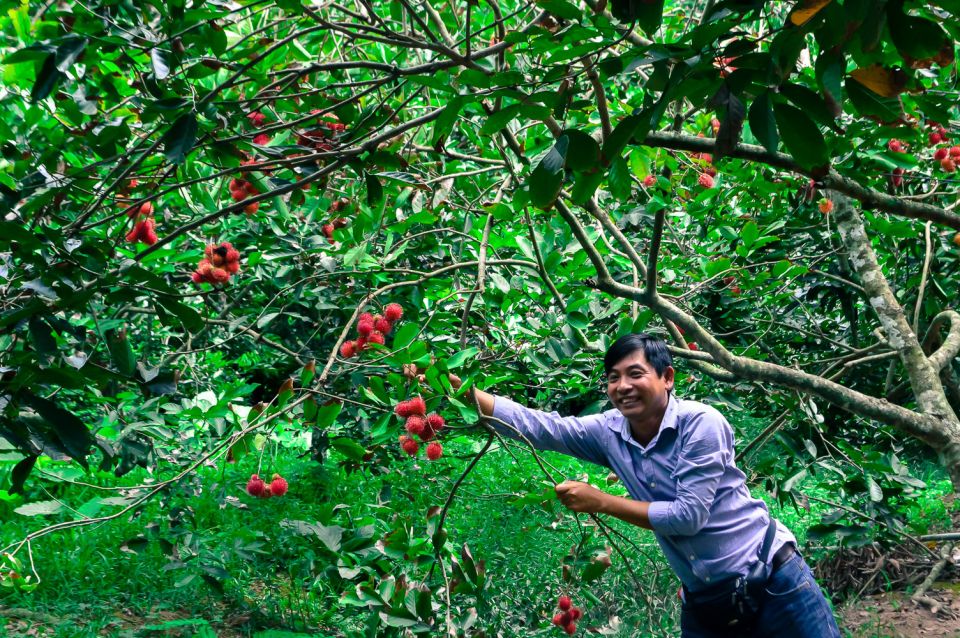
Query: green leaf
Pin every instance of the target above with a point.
(866, 102)
(500, 119)
(622, 133)
(161, 63)
(405, 335)
(749, 233)
(546, 179)
(42, 336)
(121, 353)
(620, 179)
(445, 121)
(69, 51)
(763, 125)
(583, 152)
(374, 189)
(20, 473)
(801, 137)
(876, 493)
(70, 430)
(561, 9)
(47, 78)
(189, 318)
(915, 37)
(181, 137)
(458, 359)
(40, 508)
(648, 14)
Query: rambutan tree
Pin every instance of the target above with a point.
(769, 185)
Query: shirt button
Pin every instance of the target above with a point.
(707, 579)
(692, 557)
(653, 484)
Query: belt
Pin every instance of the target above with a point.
(783, 554)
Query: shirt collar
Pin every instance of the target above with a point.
(669, 421)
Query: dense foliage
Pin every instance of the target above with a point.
(201, 200)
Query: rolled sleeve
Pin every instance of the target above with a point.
(581, 437)
(705, 451)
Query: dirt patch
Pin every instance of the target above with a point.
(894, 615)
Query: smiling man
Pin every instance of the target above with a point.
(741, 572)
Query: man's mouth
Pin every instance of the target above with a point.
(626, 403)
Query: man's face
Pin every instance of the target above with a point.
(635, 388)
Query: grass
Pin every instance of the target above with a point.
(241, 568)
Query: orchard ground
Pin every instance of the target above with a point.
(246, 567)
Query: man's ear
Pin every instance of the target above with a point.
(668, 378)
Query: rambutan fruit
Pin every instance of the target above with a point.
(941, 153)
(257, 118)
(348, 349)
(825, 206)
(365, 328)
(649, 180)
(376, 337)
(557, 619)
(238, 195)
(402, 409)
(327, 230)
(365, 316)
(232, 267)
(393, 312)
(278, 486)
(196, 277)
(576, 613)
(409, 445)
(705, 180)
(251, 208)
(418, 406)
(382, 325)
(434, 451)
(564, 604)
(219, 275)
(435, 421)
(570, 628)
(261, 139)
(416, 425)
(256, 486)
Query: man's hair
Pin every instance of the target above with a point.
(654, 351)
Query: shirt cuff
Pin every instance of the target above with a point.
(659, 514)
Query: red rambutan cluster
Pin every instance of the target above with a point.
(257, 118)
(241, 189)
(335, 207)
(421, 425)
(568, 616)
(256, 486)
(372, 329)
(317, 138)
(938, 134)
(218, 264)
(144, 228)
(261, 139)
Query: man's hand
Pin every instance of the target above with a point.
(581, 497)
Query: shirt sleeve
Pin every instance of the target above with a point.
(581, 437)
(706, 449)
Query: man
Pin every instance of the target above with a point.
(676, 459)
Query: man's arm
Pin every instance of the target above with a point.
(582, 437)
(581, 497)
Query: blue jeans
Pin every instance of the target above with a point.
(792, 606)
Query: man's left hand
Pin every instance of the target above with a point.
(580, 497)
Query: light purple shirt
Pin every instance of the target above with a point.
(702, 514)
